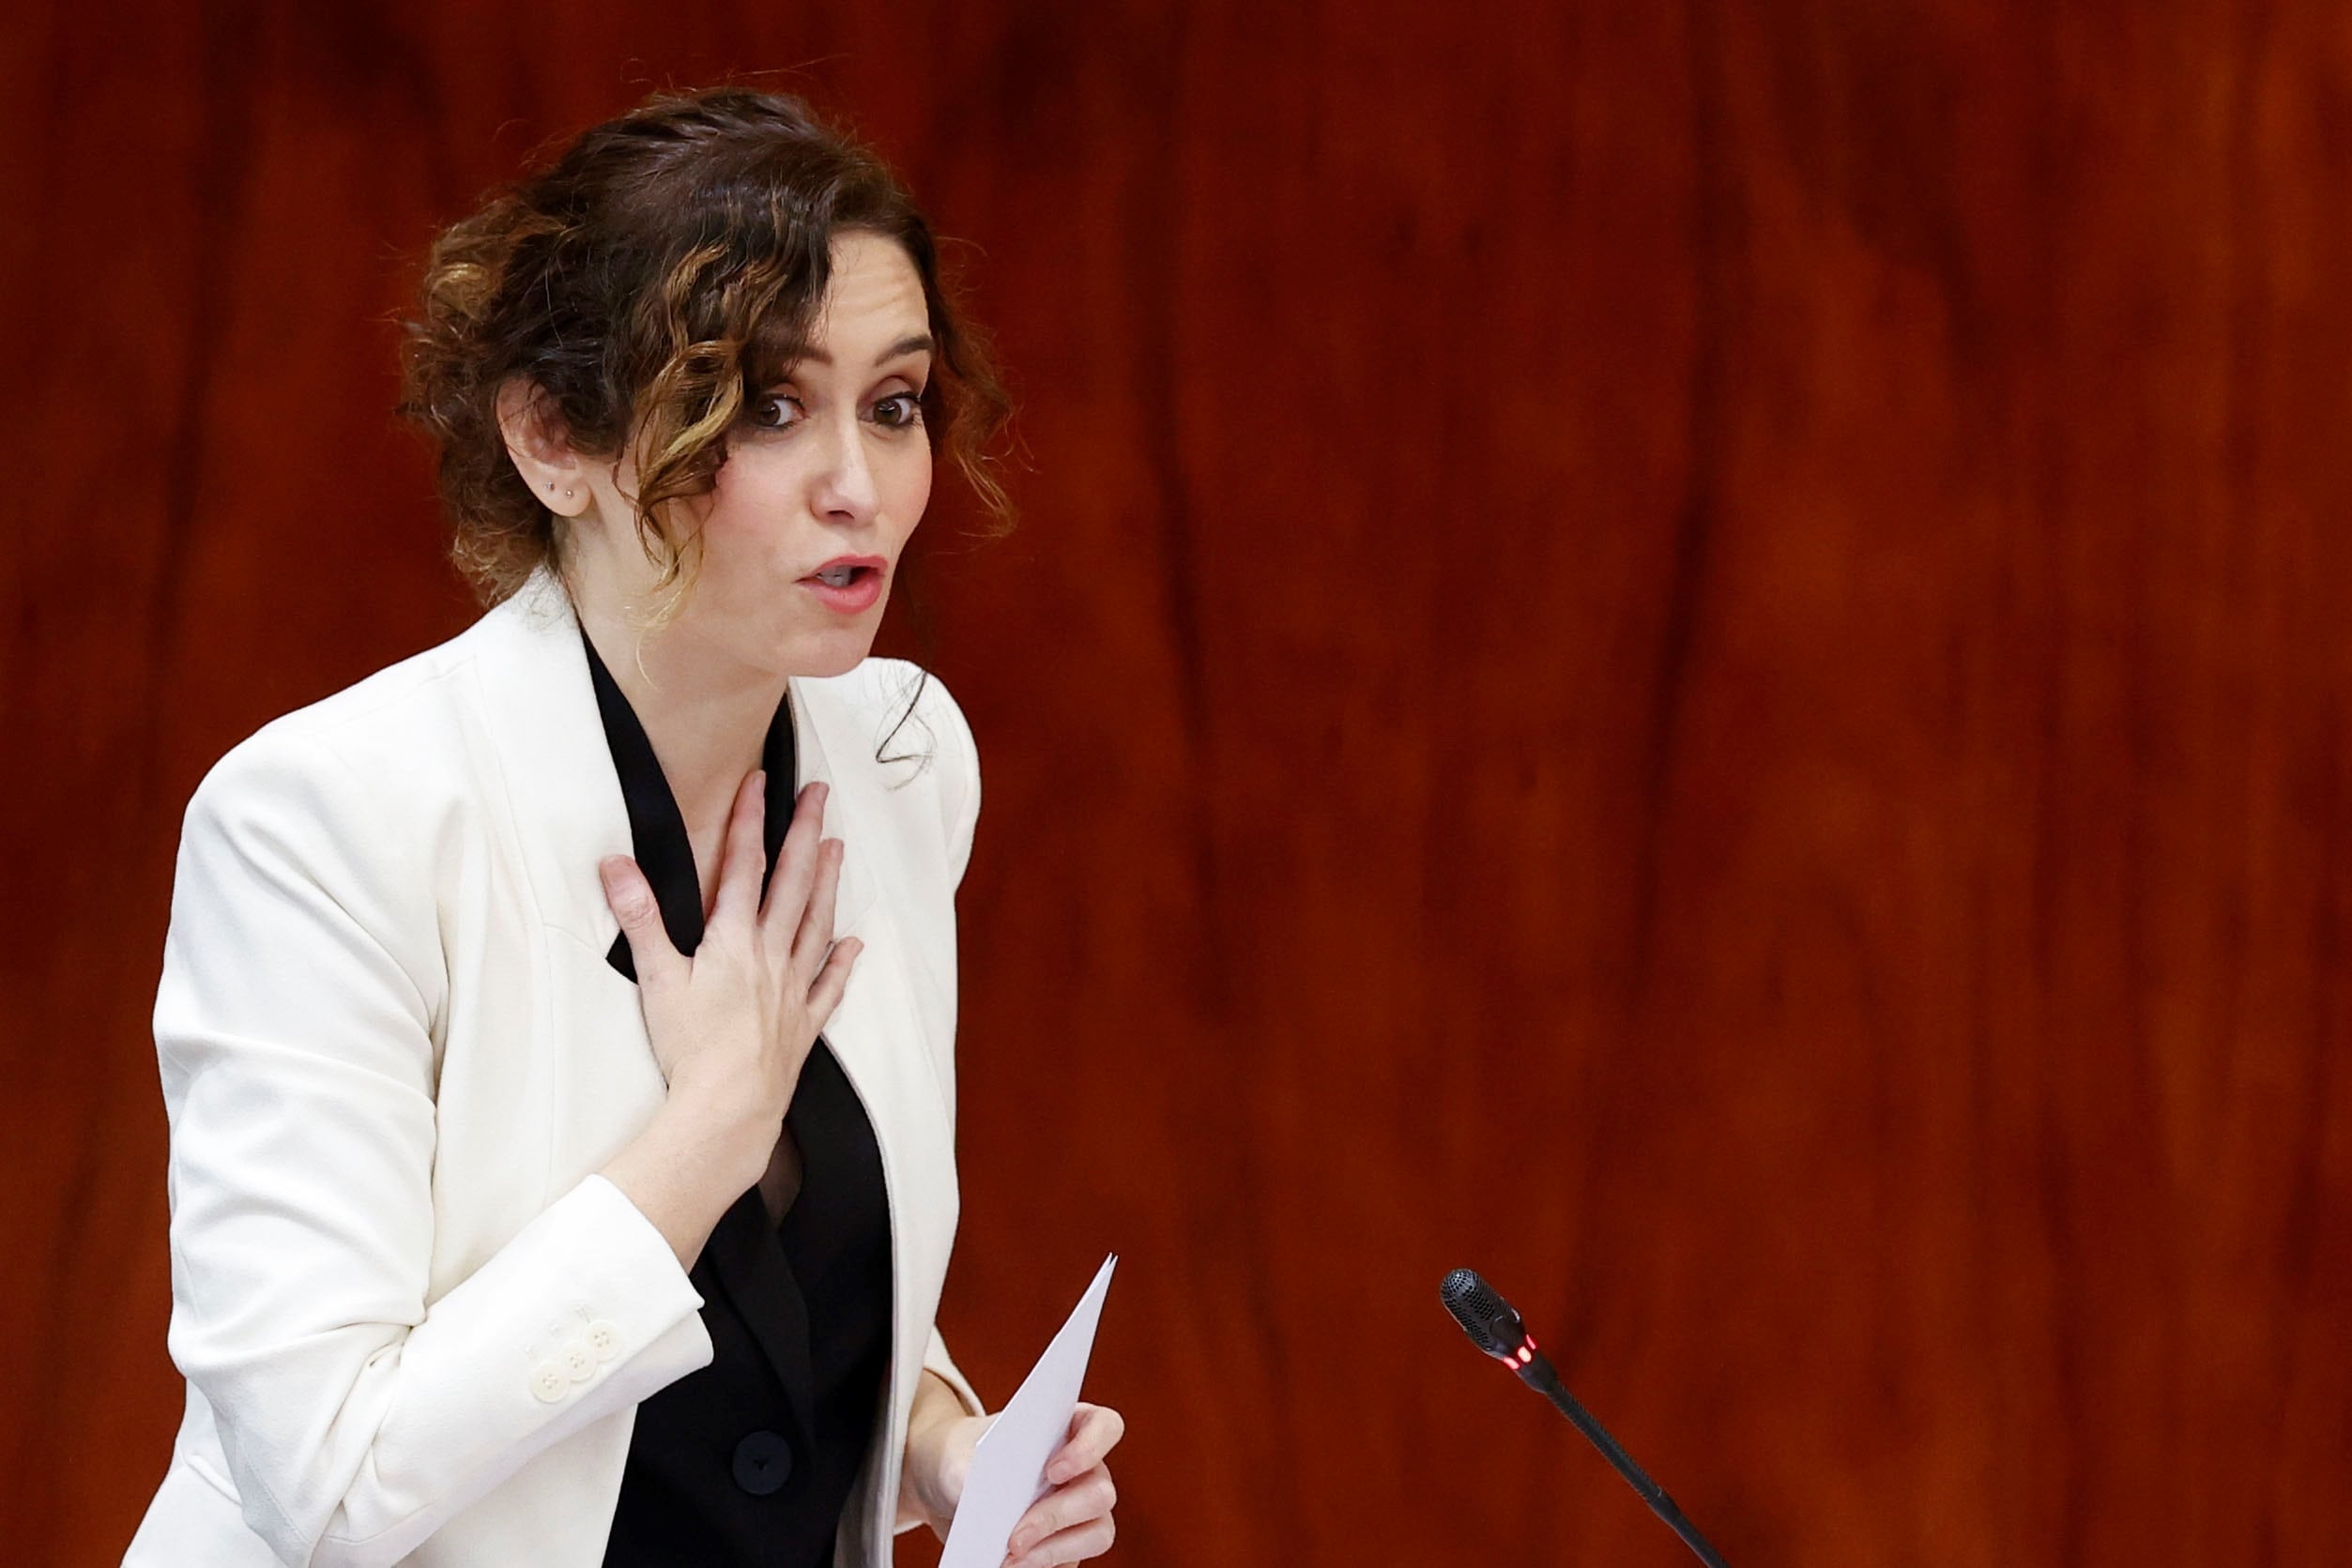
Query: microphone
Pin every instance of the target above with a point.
(1495, 1329)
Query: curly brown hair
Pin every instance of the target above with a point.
(649, 284)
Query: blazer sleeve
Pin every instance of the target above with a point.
(295, 1029)
(936, 1359)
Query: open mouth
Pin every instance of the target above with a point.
(845, 574)
(852, 586)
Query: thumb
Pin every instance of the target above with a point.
(630, 897)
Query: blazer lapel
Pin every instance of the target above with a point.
(860, 889)
(547, 742)
(876, 1033)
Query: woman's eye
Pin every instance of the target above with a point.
(775, 411)
(899, 410)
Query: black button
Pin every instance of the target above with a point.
(762, 1461)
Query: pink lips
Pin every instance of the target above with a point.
(862, 592)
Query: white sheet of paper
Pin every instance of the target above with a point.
(1008, 1466)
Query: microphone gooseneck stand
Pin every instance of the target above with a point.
(1495, 1329)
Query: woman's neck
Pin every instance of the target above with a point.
(706, 715)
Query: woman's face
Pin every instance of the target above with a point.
(825, 480)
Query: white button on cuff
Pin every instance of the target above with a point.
(604, 1340)
(550, 1382)
(579, 1361)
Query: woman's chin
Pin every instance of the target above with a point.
(834, 652)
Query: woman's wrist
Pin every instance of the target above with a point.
(688, 1166)
(731, 1131)
(932, 1471)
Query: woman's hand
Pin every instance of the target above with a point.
(731, 1026)
(1071, 1523)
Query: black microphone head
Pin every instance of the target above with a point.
(1485, 1316)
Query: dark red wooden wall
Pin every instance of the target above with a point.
(1695, 652)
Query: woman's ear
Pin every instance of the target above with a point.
(537, 447)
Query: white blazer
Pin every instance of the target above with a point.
(414, 1324)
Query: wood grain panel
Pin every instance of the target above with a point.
(1691, 652)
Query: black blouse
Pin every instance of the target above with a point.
(750, 1460)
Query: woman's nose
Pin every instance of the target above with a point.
(845, 482)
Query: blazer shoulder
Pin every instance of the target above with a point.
(909, 736)
(362, 788)
(395, 724)
(909, 721)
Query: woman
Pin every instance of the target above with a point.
(562, 1160)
